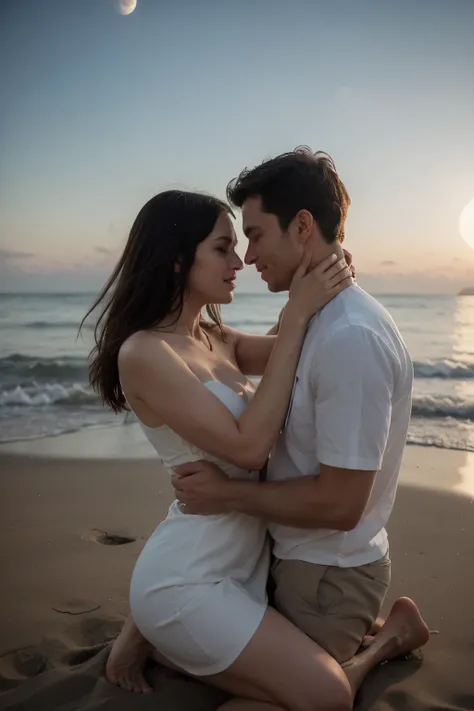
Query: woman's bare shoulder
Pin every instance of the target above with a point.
(142, 346)
(223, 335)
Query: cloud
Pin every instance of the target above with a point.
(11, 254)
(387, 263)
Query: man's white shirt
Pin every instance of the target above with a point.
(350, 409)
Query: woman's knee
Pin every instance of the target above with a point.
(332, 692)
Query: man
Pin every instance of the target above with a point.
(332, 476)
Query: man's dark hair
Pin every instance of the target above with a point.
(300, 180)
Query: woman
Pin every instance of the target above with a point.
(198, 591)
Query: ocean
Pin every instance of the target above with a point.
(43, 366)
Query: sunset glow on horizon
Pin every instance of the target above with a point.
(466, 224)
(101, 113)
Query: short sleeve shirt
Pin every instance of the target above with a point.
(350, 409)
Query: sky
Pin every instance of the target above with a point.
(101, 111)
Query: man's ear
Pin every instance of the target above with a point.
(303, 226)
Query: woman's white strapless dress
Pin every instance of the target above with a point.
(198, 590)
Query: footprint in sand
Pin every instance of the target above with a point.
(110, 539)
(86, 637)
(20, 664)
(82, 638)
(76, 607)
(94, 630)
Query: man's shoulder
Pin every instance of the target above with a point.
(357, 325)
(352, 309)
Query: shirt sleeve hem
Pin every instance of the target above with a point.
(342, 461)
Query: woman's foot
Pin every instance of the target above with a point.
(127, 658)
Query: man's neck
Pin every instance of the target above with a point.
(322, 251)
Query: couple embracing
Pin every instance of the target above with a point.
(267, 577)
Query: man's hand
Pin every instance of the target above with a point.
(201, 488)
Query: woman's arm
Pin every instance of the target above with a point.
(153, 373)
(253, 351)
(274, 329)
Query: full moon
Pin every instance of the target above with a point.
(126, 7)
(466, 224)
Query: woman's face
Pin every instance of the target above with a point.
(212, 276)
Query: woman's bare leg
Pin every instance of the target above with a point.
(246, 705)
(403, 631)
(282, 670)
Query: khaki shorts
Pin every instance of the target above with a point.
(334, 606)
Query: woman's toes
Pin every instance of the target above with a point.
(144, 687)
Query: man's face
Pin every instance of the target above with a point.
(275, 253)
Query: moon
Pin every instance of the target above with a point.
(126, 7)
(466, 224)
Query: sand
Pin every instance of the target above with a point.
(76, 511)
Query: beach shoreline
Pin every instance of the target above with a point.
(44, 382)
(77, 510)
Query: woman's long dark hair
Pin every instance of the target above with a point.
(145, 287)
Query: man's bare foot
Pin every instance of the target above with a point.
(403, 631)
(366, 642)
(374, 630)
(127, 658)
(377, 626)
(405, 627)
